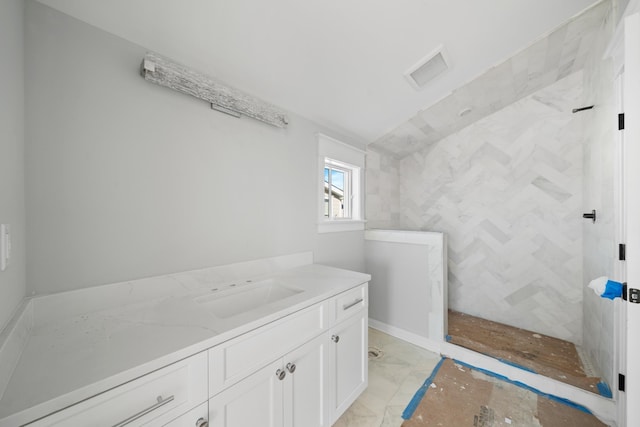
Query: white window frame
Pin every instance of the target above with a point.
(337, 154)
(347, 195)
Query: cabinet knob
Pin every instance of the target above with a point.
(291, 367)
(202, 423)
(335, 338)
(281, 374)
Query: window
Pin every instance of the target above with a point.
(337, 190)
(340, 169)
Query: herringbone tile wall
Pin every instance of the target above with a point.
(382, 205)
(507, 191)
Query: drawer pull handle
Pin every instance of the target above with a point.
(144, 412)
(291, 367)
(335, 338)
(280, 373)
(202, 423)
(356, 302)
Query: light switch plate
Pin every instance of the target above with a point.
(5, 246)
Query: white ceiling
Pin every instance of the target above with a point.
(563, 52)
(337, 62)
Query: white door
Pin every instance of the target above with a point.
(305, 389)
(254, 401)
(351, 362)
(632, 211)
(620, 268)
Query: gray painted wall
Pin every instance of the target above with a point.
(12, 211)
(126, 179)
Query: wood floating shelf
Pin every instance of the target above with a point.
(165, 72)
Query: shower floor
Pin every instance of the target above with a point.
(551, 357)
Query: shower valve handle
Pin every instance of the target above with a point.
(591, 215)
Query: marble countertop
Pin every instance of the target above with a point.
(68, 359)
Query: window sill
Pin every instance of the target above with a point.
(339, 226)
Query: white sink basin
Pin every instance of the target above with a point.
(247, 297)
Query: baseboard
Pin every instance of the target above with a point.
(405, 335)
(13, 339)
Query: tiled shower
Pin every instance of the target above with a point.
(509, 189)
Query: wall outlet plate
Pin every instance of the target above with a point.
(5, 246)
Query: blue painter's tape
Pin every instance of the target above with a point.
(448, 338)
(526, 387)
(515, 365)
(613, 290)
(604, 390)
(411, 407)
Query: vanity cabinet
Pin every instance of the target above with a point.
(302, 370)
(305, 388)
(288, 392)
(197, 417)
(350, 362)
(309, 386)
(154, 399)
(255, 401)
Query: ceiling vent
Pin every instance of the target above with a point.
(427, 69)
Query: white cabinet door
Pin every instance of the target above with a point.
(318, 380)
(350, 342)
(197, 415)
(305, 391)
(254, 401)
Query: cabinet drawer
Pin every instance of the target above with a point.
(232, 361)
(191, 418)
(350, 302)
(153, 399)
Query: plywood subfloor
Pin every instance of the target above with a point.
(551, 357)
(460, 396)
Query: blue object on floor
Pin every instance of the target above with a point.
(411, 407)
(604, 390)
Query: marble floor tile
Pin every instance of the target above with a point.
(394, 377)
(359, 415)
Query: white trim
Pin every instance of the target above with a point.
(348, 171)
(344, 144)
(339, 225)
(407, 336)
(631, 102)
(340, 165)
(619, 267)
(13, 339)
(404, 236)
(349, 157)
